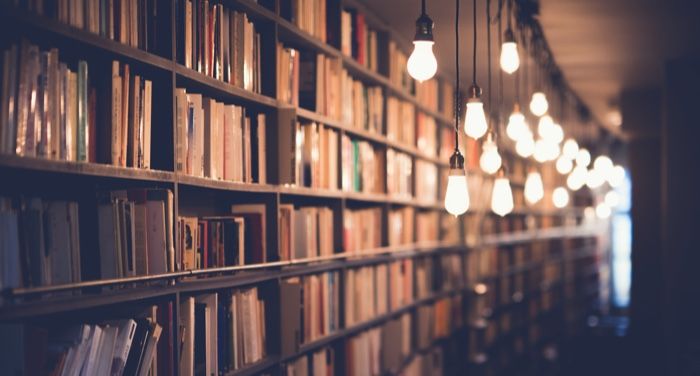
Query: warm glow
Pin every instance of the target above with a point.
(490, 160)
(534, 191)
(502, 197)
(557, 133)
(422, 64)
(594, 178)
(560, 197)
(540, 153)
(544, 126)
(602, 210)
(457, 193)
(475, 121)
(510, 61)
(525, 146)
(564, 165)
(612, 199)
(577, 178)
(516, 128)
(583, 158)
(538, 104)
(617, 176)
(589, 213)
(603, 164)
(570, 149)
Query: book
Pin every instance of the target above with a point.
(399, 174)
(400, 121)
(363, 166)
(308, 15)
(287, 73)
(358, 39)
(305, 232)
(362, 104)
(255, 235)
(362, 229)
(401, 226)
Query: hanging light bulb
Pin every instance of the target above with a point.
(594, 178)
(617, 176)
(544, 126)
(510, 61)
(502, 195)
(490, 160)
(602, 210)
(525, 146)
(422, 64)
(541, 153)
(475, 124)
(577, 178)
(583, 158)
(551, 150)
(516, 127)
(604, 165)
(564, 165)
(556, 133)
(612, 199)
(457, 193)
(534, 190)
(538, 104)
(560, 197)
(570, 149)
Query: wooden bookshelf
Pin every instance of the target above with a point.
(92, 299)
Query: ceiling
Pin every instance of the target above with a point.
(602, 46)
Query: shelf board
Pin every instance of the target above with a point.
(200, 182)
(83, 168)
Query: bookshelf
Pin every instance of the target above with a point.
(452, 242)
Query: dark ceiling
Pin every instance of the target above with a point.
(602, 46)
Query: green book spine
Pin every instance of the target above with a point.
(357, 181)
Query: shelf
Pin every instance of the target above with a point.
(200, 182)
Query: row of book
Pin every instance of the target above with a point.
(358, 40)
(222, 332)
(365, 293)
(141, 345)
(40, 242)
(50, 111)
(427, 93)
(219, 141)
(219, 42)
(427, 181)
(401, 226)
(362, 229)
(219, 241)
(305, 232)
(362, 105)
(311, 309)
(399, 174)
(400, 121)
(318, 363)
(131, 22)
(362, 166)
(308, 15)
(308, 153)
(427, 227)
(426, 134)
(398, 73)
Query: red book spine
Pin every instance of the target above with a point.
(361, 42)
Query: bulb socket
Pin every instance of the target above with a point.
(457, 161)
(501, 173)
(508, 36)
(424, 29)
(474, 93)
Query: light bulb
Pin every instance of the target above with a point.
(422, 64)
(490, 160)
(525, 146)
(603, 164)
(538, 104)
(564, 165)
(516, 127)
(560, 197)
(588, 213)
(544, 126)
(457, 193)
(510, 61)
(556, 133)
(616, 176)
(551, 150)
(570, 148)
(541, 154)
(612, 199)
(534, 191)
(475, 120)
(602, 210)
(502, 196)
(594, 178)
(577, 178)
(583, 158)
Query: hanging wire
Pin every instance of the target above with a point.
(488, 53)
(456, 99)
(423, 7)
(474, 51)
(501, 103)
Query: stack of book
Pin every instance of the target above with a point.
(134, 346)
(366, 294)
(219, 42)
(305, 232)
(362, 166)
(219, 141)
(131, 22)
(427, 226)
(401, 226)
(135, 233)
(319, 363)
(400, 283)
(399, 174)
(398, 73)
(221, 333)
(310, 306)
(400, 121)
(319, 83)
(426, 134)
(362, 229)
(426, 181)
(288, 60)
(308, 15)
(427, 93)
(40, 242)
(358, 40)
(363, 105)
